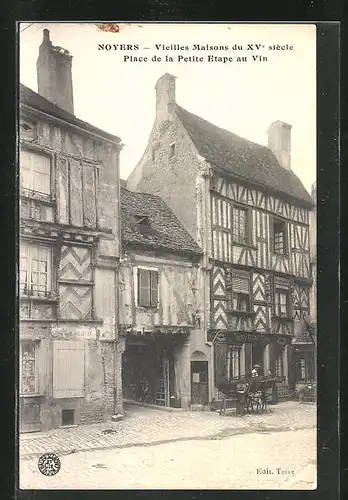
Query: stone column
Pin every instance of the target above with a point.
(242, 360)
(286, 363)
(266, 359)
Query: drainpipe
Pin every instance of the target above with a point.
(117, 288)
(116, 340)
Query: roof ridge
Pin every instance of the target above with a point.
(227, 131)
(37, 101)
(176, 238)
(242, 158)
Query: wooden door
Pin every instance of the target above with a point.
(199, 382)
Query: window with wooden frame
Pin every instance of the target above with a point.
(240, 225)
(279, 364)
(172, 151)
(304, 367)
(35, 174)
(238, 291)
(147, 288)
(234, 362)
(279, 237)
(28, 368)
(281, 297)
(35, 269)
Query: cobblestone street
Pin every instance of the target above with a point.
(180, 450)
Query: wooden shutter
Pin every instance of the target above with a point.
(240, 284)
(68, 369)
(154, 288)
(144, 287)
(282, 283)
(220, 362)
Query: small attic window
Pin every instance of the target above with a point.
(25, 126)
(27, 129)
(172, 150)
(143, 222)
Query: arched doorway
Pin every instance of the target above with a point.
(199, 379)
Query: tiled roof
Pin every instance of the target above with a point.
(241, 157)
(36, 101)
(160, 228)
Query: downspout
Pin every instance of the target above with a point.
(117, 288)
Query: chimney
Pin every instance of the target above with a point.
(279, 141)
(54, 77)
(165, 95)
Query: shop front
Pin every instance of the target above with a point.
(150, 370)
(235, 355)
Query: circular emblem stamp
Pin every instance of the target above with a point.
(49, 464)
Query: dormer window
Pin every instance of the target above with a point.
(25, 126)
(172, 150)
(27, 129)
(143, 222)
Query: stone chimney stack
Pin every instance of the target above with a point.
(54, 76)
(279, 141)
(165, 95)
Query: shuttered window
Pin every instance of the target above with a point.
(68, 369)
(147, 288)
(238, 291)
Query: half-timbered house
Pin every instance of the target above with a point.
(305, 341)
(249, 212)
(166, 361)
(70, 353)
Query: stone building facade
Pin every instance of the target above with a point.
(166, 361)
(249, 212)
(70, 350)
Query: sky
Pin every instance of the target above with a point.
(118, 96)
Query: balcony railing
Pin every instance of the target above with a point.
(36, 195)
(36, 292)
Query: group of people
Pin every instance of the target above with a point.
(255, 372)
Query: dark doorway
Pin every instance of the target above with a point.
(68, 417)
(199, 382)
(257, 356)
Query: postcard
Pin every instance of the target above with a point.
(167, 274)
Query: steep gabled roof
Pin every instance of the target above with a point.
(241, 157)
(36, 101)
(147, 220)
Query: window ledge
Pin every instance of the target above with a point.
(147, 308)
(76, 282)
(31, 395)
(236, 312)
(37, 298)
(278, 254)
(97, 321)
